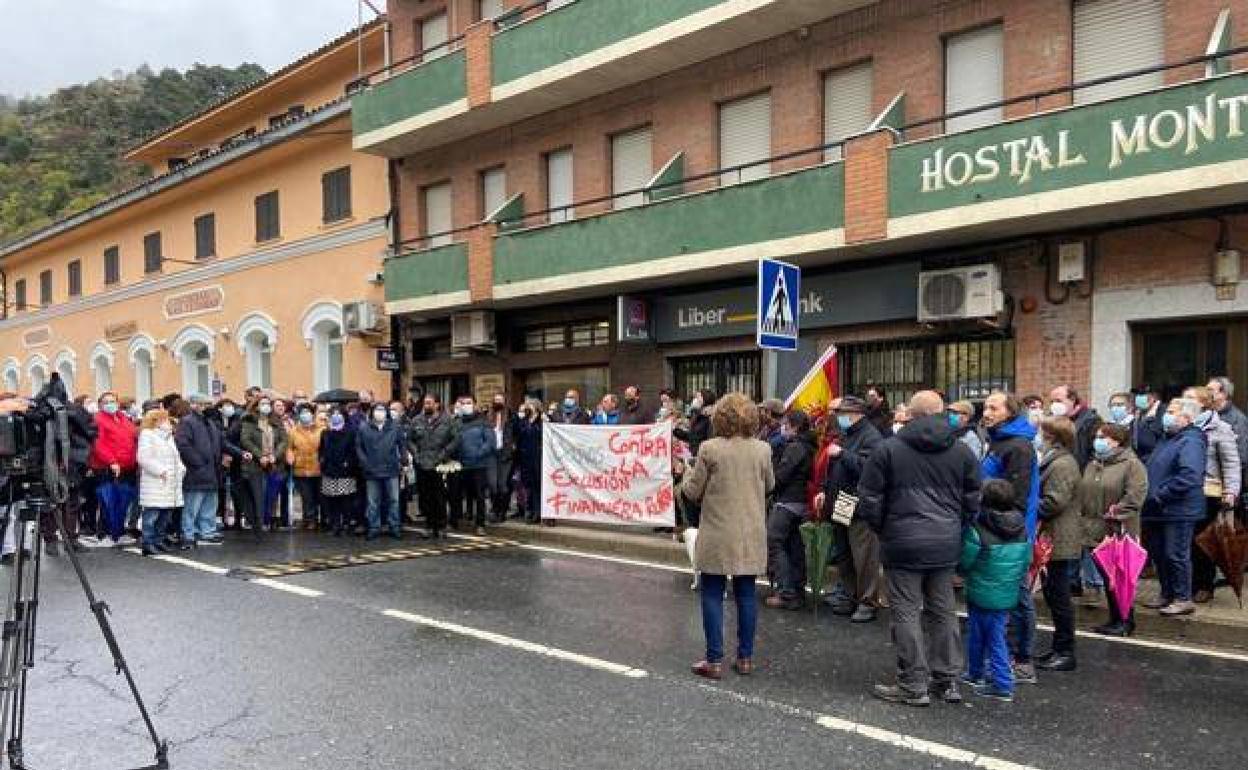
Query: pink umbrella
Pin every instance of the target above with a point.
(1123, 560)
(1106, 555)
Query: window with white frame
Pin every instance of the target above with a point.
(323, 333)
(433, 36)
(66, 366)
(745, 138)
(193, 349)
(12, 376)
(1116, 36)
(438, 214)
(102, 367)
(632, 166)
(493, 191)
(257, 337)
(37, 374)
(974, 77)
(847, 98)
(143, 374)
(559, 187)
(489, 9)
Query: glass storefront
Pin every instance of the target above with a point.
(549, 385)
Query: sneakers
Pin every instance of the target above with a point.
(215, 539)
(1057, 662)
(946, 691)
(1024, 673)
(1157, 604)
(971, 681)
(864, 614)
(891, 693)
(994, 693)
(1176, 609)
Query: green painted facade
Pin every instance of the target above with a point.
(428, 86)
(579, 28)
(1186, 126)
(426, 273)
(800, 203)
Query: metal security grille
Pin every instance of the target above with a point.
(961, 369)
(721, 374)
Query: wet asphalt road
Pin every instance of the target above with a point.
(242, 675)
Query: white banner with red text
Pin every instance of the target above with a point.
(608, 474)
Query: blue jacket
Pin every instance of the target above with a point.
(380, 450)
(1012, 456)
(606, 418)
(1176, 478)
(477, 444)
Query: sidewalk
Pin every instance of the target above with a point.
(1221, 623)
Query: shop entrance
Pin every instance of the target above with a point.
(549, 385)
(1169, 357)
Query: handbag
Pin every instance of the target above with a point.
(844, 507)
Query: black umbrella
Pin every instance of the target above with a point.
(337, 396)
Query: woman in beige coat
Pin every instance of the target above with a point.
(731, 477)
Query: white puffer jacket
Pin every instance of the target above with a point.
(160, 470)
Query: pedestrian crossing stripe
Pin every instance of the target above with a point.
(341, 561)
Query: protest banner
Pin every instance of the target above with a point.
(608, 474)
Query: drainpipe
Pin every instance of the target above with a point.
(4, 295)
(396, 326)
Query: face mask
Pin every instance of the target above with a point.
(1100, 446)
(631, 401)
(569, 403)
(786, 431)
(134, 412)
(1058, 409)
(428, 410)
(954, 419)
(1118, 412)
(664, 413)
(305, 418)
(266, 409)
(1141, 402)
(1034, 416)
(91, 407)
(227, 411)
(337, 422)
(1170, 422)
(897, 426)
(379, 416)
(164, 428)
(1203, 418)
(109, 407)
(696, 404)
(396, 414)
(842, 422)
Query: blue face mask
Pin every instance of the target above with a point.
(109, 408)
(1141, 402)
(569, 404)
(337, 422)
(1100, 446)
(1118, 412)
(1169, 422)
(842, 422)
(954, 419)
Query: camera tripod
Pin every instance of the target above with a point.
(17, 654)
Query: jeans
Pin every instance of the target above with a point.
(1057, 596)
(155, 521)
(785, 552)
(309, 489)
(713, 615)
(924, 627)
(199, 515)
(987, 654)
(1023, 624)
(387, 489)
(1170, 546)
(1089, 575)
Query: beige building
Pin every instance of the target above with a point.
(250, 257)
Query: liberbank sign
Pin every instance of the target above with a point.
(1187, 126)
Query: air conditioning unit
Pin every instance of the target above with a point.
(363, 318)
(960, 293)
(473, 330)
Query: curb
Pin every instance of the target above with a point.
(1193, 630)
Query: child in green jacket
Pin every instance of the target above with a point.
(995, 558)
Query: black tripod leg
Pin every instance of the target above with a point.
(100, 609)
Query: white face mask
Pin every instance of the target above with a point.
(396, 414)
(1058, 409)
(165, 428)
(897, 426)
(91, 407)
(227, 411)
(266, 409)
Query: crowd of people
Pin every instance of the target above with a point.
(946, 496)
(927, 498)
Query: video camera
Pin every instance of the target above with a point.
(27, 438)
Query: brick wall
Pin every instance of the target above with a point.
(866, 187)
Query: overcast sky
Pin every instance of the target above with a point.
(46, 44)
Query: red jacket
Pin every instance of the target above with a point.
(118, 442)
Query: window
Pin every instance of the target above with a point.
(493, 191)
(102, 370)
(142, 358)
(962, 369)
(847, 98)
(74, 278)
(437, 199)
(206, 236)
(433, 35)
(745, 137)
(45, 288)
(257, 336)
(336, 195)
(631, 166)
(64, 366)
(582, 334)
(19, 294)
(741, 372)
(1116, 36)
(112, 266)
(559, 185)
(548, 385)
(268, 221)
(196, 369)
(489, 9)
(152, 258)
(12, 377)
(974, 76)
(37, 373)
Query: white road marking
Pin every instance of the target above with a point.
(199, 565)
(289, 588)
(520, 644)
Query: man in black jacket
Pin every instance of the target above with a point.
(917, 492)
(785, 552)
(1064, 401)
(860, 573)
(200, 444)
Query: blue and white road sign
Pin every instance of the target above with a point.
(779, 286)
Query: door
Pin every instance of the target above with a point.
(1171, 357)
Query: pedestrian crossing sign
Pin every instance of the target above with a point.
(779, 285)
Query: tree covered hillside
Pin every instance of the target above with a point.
(61, 153)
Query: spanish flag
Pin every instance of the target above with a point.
(817, 389)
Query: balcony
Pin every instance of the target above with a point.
(435, 277)
(539, 60)
(1180, 148)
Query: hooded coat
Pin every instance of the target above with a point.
(1060, 504)
(794, 470)
(1012, 457)
(995, 557)
(916, 492)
